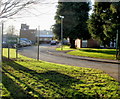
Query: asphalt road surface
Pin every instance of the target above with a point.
(31, 51)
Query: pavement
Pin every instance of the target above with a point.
(64, 54)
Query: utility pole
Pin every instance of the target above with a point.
(38, 43)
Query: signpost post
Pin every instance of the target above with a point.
(38, 42)
(117, 45)
(17, 47)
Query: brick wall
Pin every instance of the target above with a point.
(29, 34)
(93, 43)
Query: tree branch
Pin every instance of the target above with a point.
(12, 7)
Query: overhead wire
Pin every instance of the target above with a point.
(42, 8)
(36, 15)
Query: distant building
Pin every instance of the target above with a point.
(25, 32)
(45, 36)
(91, 43)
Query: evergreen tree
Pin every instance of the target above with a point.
(103, 22)
(74, 22)
(115, 8)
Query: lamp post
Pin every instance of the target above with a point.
(51, 32)
(117, 43)
(62, 17)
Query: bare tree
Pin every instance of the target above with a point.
(11, 30)
(12, 7)
(8, 8)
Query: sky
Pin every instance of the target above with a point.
(36, 15)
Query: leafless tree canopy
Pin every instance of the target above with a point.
(12, 7)
(11, 30)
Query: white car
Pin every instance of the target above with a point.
(23, 43)
(53, 42)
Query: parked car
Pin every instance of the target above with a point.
(4, 44)
(29, 42)
(53, 42)
(25, 42)
(66, 42)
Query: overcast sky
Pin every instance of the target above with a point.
(38, 15)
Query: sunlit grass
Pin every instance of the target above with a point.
(95, 53)
(65, 48)
(4, 91)
(91, 52)
(12, 52)
(27, 78)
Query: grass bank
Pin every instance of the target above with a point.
(95, 53)
(65, 48)
(27, 78)
(91, 52)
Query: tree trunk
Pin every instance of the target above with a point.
(104, 44)
(72, 43)
(80, 43)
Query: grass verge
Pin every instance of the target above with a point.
(28, 78)
(65, 48)
(95, 53)
(91, 52)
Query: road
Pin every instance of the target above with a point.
(31, 51)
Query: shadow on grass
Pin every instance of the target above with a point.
(104, 52)
(54, 80)
(16, 91)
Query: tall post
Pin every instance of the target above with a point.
(17, 39)
(117, 42)
(8, 51)
(2, 38)
(38, 43)
(1, 47)
(61, 32)
(117, 45)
